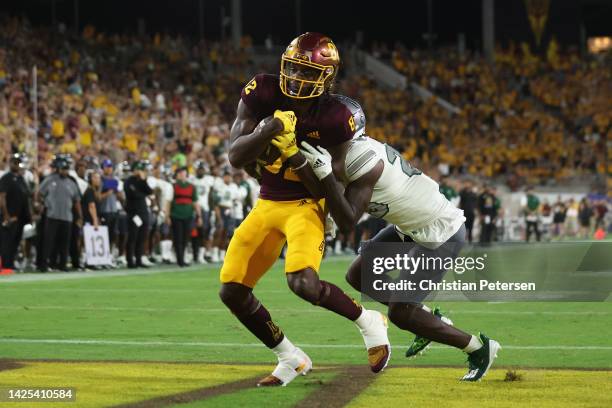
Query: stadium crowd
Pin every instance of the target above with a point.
(129, 127)
(533, 120)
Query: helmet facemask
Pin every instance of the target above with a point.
(304, 79)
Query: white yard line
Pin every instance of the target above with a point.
(53, 276)
(253, 345)
(286, 310)
(40, 277)
(127, 290)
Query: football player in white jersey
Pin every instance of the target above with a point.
(374, 177)
(204, 183)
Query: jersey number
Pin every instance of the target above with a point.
(250, 87)
(393, 155)
(351, 123)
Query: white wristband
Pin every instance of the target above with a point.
(300, 166)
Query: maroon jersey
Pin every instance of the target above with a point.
(332, 121)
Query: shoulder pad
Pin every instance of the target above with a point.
(355, 110)
(360, 158)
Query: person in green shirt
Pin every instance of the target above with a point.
(532, 215)
(447, 190)
(183, 209)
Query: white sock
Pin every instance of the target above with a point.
(284, 349)
(425, 308)
(364, 319)
(473, 345)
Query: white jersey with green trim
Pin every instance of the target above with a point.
(403, 195)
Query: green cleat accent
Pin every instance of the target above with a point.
(420, 344)
(480, 360)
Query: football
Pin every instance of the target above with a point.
(269, 155)
(271, 152)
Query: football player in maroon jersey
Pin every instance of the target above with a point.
(284, 110)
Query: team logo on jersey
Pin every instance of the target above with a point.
(314, 134)
(378, 210)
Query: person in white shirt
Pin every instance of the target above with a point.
(226, 192)
(241, 195)
(204, 182)
(160, 233)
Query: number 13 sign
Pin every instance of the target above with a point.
(97, 248)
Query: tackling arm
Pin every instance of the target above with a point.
(348, 205)
(300, 166)
(248, 140)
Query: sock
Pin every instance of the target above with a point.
(363, 321)
(473, 345)
(284, 349)
(425, 308)
(334, 299)
(261, 325)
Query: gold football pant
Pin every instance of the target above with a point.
(259, 239)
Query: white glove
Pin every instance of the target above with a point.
(319, 159)
(330, 226)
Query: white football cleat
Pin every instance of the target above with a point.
(373, 326)
(287, 369)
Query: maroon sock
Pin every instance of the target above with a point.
(334, 299)
(261, 325)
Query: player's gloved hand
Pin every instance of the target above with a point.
(319, 159)
(288, 119)
(330, 226)
(286, 143)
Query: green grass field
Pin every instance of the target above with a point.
(164, 338)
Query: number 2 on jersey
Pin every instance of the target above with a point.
(250, 87)
(393, 155)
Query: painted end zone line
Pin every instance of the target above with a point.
(254, 345)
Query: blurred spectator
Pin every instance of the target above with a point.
(14, 210)
(110, 197)
(92, 200)
(559, 211)
(601, 209)
(184, 210)
(488, 209)
(136, 192)
(571, 219)
(531, 208)
(204, 183)
(585, 213)
(468, 202)
(60, 196)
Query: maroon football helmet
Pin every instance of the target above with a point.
(309, 66)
